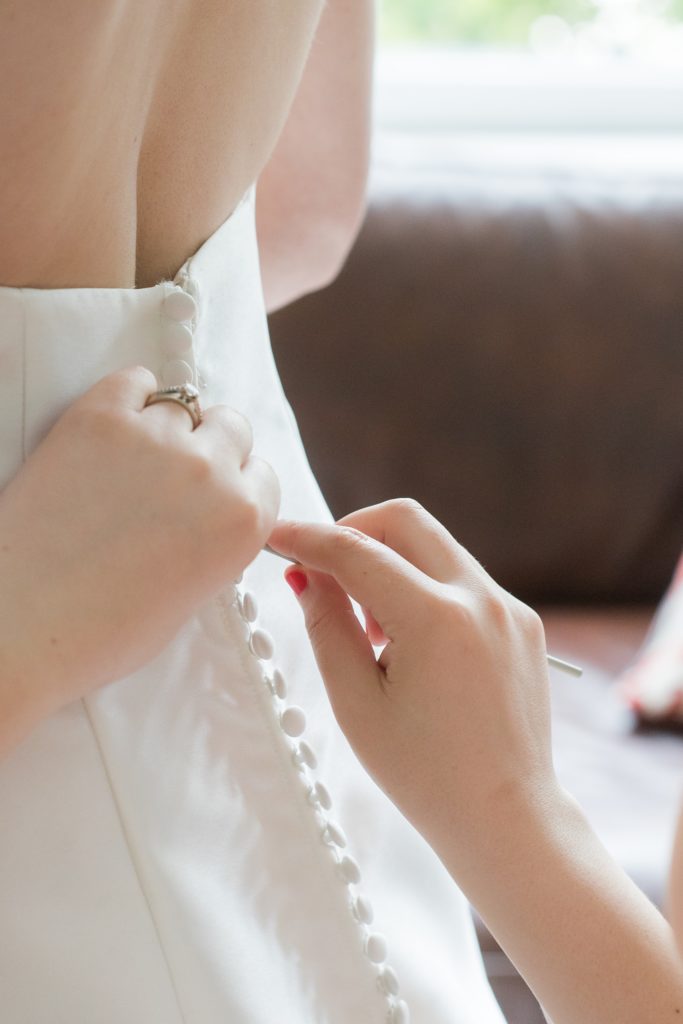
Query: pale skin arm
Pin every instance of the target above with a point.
(453, 723)
(587, 941)
(310, 198)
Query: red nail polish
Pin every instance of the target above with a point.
(296, 579)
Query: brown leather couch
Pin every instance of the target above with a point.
(515, 362)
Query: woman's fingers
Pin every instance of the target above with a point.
(129, 387)
(375, 632)
(374, 575)
(342, 651)
(408, 528)
(229, 430)
(387, 557)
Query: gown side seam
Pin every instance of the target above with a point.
(134, 865)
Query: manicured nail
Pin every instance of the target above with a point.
(297, 580)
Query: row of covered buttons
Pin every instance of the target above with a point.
(292, 720)
(179, 312)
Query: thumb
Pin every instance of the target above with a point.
(342, 650)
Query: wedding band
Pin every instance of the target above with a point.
(184, 394)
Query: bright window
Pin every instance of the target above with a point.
(637, 27)
(530, 65)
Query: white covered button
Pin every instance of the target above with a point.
(261, 644)
(277, 684)
(304, 755)
(178, 305)
(349, 870)
(293, 720)
(322, 796)
(334, 834)
(388, 981)
(249, 607)
(176, 339)
(400, 1014)
(362, 910)
(376, 948)
(176, 372)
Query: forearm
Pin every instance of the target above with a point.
(590, 945)
(453, 721)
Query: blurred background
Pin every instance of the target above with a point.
(514, 300)
(534, 65)
(632, 28)
(612, 26)
(505, 345)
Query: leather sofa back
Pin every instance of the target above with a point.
(516, 366)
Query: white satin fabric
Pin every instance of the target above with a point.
(164, 856)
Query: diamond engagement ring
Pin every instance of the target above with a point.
(185, 394)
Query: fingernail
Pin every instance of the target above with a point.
(297, 580)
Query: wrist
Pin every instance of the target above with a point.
(506, 836)
(588, 943)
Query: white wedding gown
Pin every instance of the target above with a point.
(171, 847)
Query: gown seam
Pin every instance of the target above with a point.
(337, 897)
(129, 847)
(88, 716)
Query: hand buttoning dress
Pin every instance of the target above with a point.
(196, 843)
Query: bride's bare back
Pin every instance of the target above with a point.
(131, 130)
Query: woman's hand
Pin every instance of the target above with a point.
(452, 720)
(453, 723)
(120, 523)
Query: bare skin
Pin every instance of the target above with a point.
(99, 100)
(66, 524)
(452, 720)
(131, 131)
